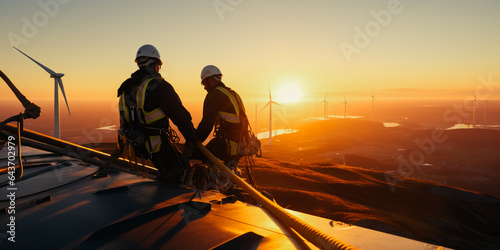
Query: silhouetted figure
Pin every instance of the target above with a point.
(222, 110)
(147, 102)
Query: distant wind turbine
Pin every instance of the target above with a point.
(325, 115)
(485, 102)
(270, 103)
(373, 106)
(474, 112)
(57, 82)
(345, 108)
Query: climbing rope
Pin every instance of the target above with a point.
(313, 235)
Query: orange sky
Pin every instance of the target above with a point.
(393, 49)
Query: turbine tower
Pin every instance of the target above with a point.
(57, 83)
(325, 115)
(485, 102)
(373, 106)
(270, 103)
(474, 112)
(345, 108)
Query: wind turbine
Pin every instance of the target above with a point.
(57, 82)
(270, 103)
(373, 106)
(345, 108)
(325, 115)
(485, 102)
(474, 112)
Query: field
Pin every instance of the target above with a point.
(362, 173)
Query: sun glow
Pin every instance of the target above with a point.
(289, 93)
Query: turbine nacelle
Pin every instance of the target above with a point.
(57, 75)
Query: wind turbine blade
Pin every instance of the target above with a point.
(51, 72)
(265, 106)
(269, 92)
(64, 94)
(277, 103)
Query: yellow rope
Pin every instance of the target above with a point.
(316, 237)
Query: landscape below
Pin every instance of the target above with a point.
(350, 170)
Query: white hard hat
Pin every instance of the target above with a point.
(148, 51)
(208, 71)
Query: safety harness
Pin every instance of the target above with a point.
(231, 118)
(247, 144)
(135, 121)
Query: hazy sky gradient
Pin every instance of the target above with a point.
(425, 49)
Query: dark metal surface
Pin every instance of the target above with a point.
(64, 207)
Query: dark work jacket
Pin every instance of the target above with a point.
(216, 101)
(161, 94)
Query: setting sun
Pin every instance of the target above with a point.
(289, 93)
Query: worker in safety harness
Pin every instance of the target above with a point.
(146, 104)
(221, 109)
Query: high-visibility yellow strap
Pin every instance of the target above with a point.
(141, 93)
(155, 114)
(240, 101)
(229, 117)
(233, 147)
(155, 143)
(234, 118)
(122, 107)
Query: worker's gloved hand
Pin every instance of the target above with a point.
(32, 111)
